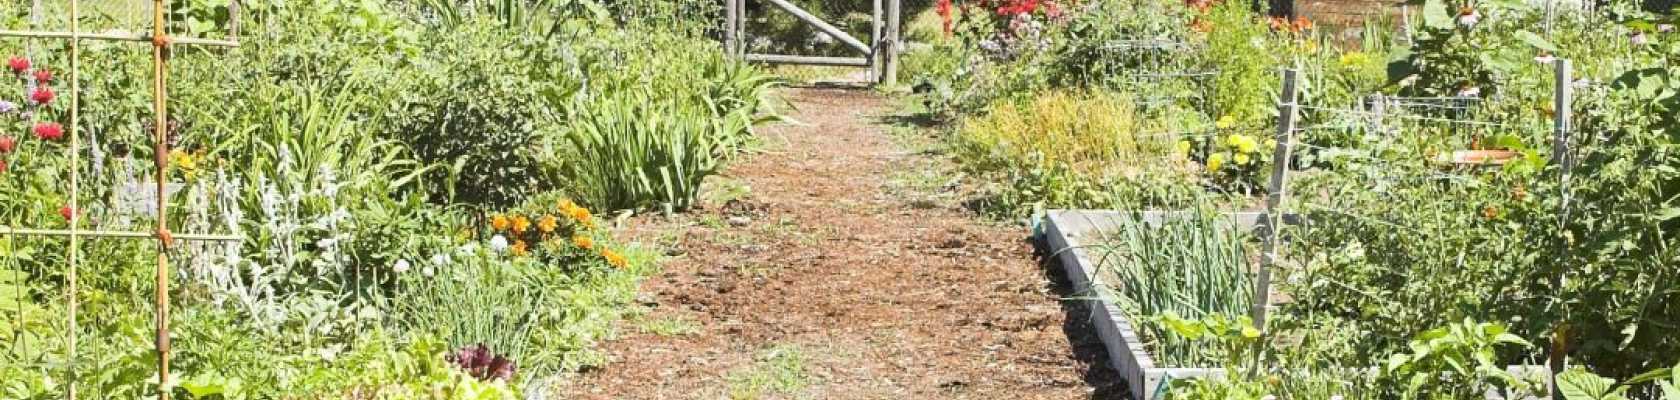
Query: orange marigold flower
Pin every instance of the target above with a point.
(1490, 212)
(500, 222)
(521, 224)
(1301, 24)
(583, 242)
(547, 224)
(614, 259)
(519, 247)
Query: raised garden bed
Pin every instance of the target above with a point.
(1068, 236)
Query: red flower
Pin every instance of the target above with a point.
(49, 131)
(42, 95)
(7, 144)
(66, 212)
(18, 64)
(943, 7)
(43, 76)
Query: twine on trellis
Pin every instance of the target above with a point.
(161, 43)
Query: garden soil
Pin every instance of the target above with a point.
(827, 276)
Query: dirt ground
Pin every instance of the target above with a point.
(839, 263)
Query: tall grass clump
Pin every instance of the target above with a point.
(1192, 265)
(1071, 149)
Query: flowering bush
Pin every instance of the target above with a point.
(563, 234)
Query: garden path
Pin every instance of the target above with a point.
(839, 263)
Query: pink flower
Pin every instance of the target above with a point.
(7, 144)
(49, 131)
(18, 64)
(1638, 38)
(42, 95)
(2, 166)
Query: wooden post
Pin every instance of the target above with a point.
(160, 156)
(1562, 97)
(731, 16)
(1274, 198)
(877, 21)
(889, 73)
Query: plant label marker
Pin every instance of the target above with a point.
(160, 42)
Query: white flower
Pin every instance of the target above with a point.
(440, 259)
(401, 266)
(1469, 20)
(1268, 397)
(326, 243)
(1336, 397)
(498, 243)
(426, 271)
(7, 106)
(1470, 91)
(1665, 27)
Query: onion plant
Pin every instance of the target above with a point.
(1191, 264)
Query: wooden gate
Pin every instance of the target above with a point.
(880, 54)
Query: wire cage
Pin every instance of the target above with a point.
(117, 212)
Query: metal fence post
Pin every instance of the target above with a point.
(1562, 98)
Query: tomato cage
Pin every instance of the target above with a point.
(14, 283)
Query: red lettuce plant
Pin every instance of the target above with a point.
(478, 361)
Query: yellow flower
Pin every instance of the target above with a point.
(1183, 148)
(500, 222)
(1352, 58)
(614, 259)
(583, 242)
(547, 224)
(579, 214)
(1240, 159)
(521, 224)
(1215, 161)
(519, 247)
(1225, 122)
(185, 162)
(1242, 143)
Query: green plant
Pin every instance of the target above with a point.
(1192, 266)
(1455, 361)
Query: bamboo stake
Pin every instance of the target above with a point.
(117, 36)
(75, 188)
(160, 151)
(11, 231)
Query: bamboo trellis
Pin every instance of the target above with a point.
(161, 43)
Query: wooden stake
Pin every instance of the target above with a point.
(876, 21)
(1278, 189)
(160, 156)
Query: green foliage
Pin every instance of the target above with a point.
(1193, 265)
